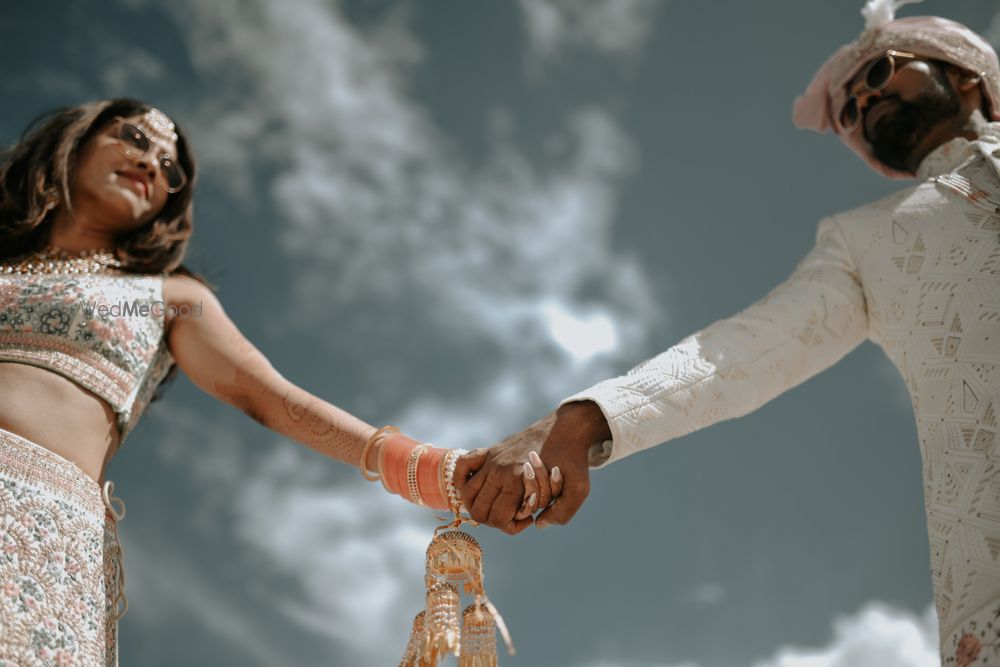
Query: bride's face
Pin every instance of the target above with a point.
(117, 184)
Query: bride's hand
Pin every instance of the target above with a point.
(538, 484)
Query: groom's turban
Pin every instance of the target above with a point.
(927, 36)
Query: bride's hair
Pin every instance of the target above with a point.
(35, 177)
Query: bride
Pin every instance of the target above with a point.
(96, 311)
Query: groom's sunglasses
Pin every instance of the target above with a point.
(877, 76)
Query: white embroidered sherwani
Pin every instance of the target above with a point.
(918, 272)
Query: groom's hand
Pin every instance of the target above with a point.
(578, 425)
(491, 480)
(494, 493)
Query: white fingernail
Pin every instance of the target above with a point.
(529, 472)
(531, 499)
(556, 475)
(535, 459)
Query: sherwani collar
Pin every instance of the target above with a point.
(950, 154)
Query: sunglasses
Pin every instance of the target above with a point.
(134, 143)
(877, 76)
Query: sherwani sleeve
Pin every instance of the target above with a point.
(735, 365)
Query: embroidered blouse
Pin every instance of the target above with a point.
(103, 331)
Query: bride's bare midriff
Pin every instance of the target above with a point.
(58, 414)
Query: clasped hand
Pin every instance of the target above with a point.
(544, 467)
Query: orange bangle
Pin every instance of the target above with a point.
(428, 476)
(412, 470)
(395, 452)
(405, 450)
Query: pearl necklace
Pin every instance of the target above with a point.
(56, 260)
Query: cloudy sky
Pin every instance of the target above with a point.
(449, 215)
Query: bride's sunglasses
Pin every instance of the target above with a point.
(877, 76)
(134, 143)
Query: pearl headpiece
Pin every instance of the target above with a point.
(158, 126)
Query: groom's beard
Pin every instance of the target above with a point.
(898, 134)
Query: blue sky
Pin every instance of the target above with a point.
(448, 216)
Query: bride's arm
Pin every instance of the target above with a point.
(218, 359)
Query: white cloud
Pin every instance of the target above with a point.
(378, 204)
(355, 553)
(582, 336)
(708, 594)
(877, 636)
(509, 401)
(165, 583)
(54, 83)
(130, 69)
(165, 580)
(383, 217)
(210, 452)
(615, 28)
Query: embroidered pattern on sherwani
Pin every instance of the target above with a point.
(52, 321)
(918, 273)
(57, 566)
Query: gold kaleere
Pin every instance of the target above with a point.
(415, 643)
(455, 557)
(479, 641)
(442, 632)
(455, 560)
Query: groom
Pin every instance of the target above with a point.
(917, 272)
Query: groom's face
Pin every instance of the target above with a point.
(903, 122)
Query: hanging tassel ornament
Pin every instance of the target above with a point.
(455, 557)
(479, 641)
(413, 647)
(442, 632)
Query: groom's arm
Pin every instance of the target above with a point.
(724, 371)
